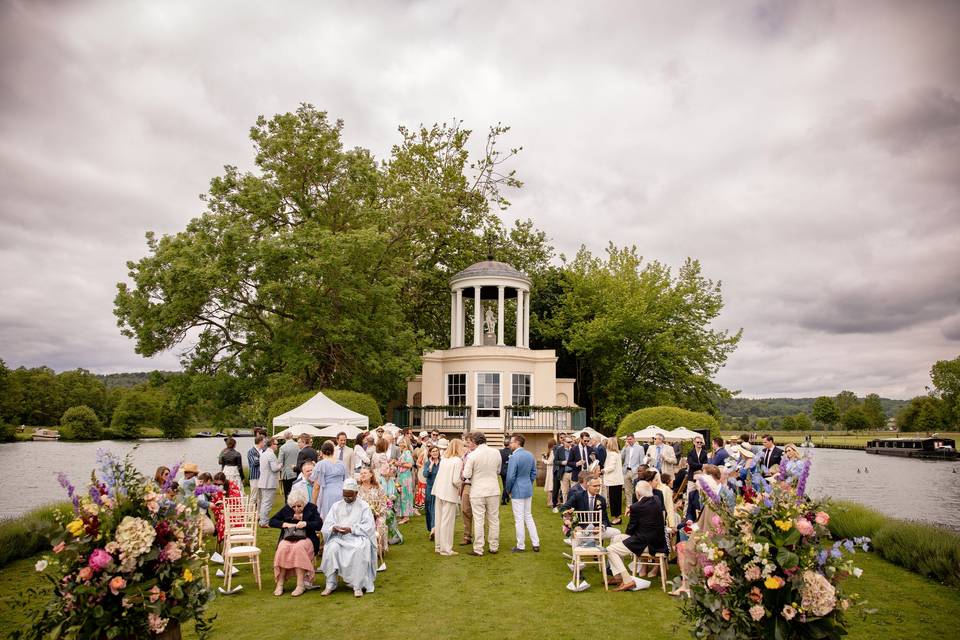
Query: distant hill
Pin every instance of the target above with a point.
(773, 407)
(127, 380)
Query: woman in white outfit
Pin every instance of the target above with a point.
(446, 490)
(548, 478)
(613, 479)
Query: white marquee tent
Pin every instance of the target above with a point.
(321, 411)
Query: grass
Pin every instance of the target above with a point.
(28, 534)
(515, 595)
(852, 520)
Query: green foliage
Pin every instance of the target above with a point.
(668, 418)
(172, 420)
(80, 423)
(136, 411)
(825, 411)
(926, 549)
(8, 432)
(763, 424)
(643, 333)
(855, 419)
(773, 407)
(924, 414)
(873, 410)
(845, 400)
(945, 375)
(360, 402)
(801, 422)
(326, 264)
(28, 534)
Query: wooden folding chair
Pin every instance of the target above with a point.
(239, 522)
(587, 544)
(200, 553)
(240, 548)
(647, 560)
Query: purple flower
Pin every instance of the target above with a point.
(848, 545)
(95, 494)
(71, 491)
(206, 488)
(802, 483)
(821, 558)
(710, 493)
(171, 478)
(835, 553)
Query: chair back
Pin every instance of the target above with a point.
(589, 529)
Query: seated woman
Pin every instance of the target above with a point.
(710, 479)
(299, 522)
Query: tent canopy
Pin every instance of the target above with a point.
(593, 433)
(650, 432)
(321, 411)
(682, 433)
(323, 432)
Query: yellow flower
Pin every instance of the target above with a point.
(188, 575)
(773, 582)
(783, 525)
(75, 527)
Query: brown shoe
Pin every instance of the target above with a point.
(626, 586)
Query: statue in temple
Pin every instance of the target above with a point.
(489, 323)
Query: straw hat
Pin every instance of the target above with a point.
(190, 468)
(443, 443)
(746, 452)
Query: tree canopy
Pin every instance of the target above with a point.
(326, 264)
(825, 411)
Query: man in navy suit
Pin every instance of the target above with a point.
(520, 480)
(580, 456)
(561, 480)
(771, 454)
(720, 453)
(591, 500)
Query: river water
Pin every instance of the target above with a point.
(900, 487)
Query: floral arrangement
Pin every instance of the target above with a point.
(124, 565)
(765, 565)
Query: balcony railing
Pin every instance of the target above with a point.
(533, 418)
(444, 418)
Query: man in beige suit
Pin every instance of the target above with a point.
(344, 454)
(482, 469)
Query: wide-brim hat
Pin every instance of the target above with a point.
(424, 434)
(746, 452)
(443, 443)
(190, 468)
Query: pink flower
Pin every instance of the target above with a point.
(117, 584)
(157, 624)
(708, 570)
(99, 560)
(85, 574)
(823, 518)
(725, 614)
(789, 612)
(752, 573)
(59, 547)
(156, 594)
(757, 611)
(172, 552)
(804, 527)
(716, 521)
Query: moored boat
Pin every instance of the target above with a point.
(930, 448)
(46, 434)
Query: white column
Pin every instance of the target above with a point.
(477, 322)
(526, 319)
(500, 315)
(519, 318)
(453, 319)
(458, 341)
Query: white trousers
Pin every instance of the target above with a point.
(616, 551)
(486, 509)
(523, 518)
(255, 492)
(446, 518)
(266, 504)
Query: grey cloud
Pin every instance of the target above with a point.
(929, 115)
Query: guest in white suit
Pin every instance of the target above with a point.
(482, 471)
(446, 490)
(269, 480)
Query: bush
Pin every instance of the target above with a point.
(668, 418)
(8, 432)
(360, 402)
(135, 411)
(851, 520)
(173, 421)
(29, 534)
(926, 549)
(80, 423)
(931, 551)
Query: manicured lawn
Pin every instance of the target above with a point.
(514, 595)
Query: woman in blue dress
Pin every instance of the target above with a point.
(327, 478)
(430, 469)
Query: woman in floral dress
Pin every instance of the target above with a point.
(372, 494)
(405, 480)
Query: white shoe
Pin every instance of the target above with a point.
(327, 591)
(382, 567)
(568, 541)
(216, 557)
(555, 510)
(358, 593)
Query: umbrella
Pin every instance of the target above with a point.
(650, 432)
(681, 433)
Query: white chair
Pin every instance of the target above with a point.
(240, 548)
(587, 545)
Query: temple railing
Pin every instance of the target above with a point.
(444, 418)
(534, 418)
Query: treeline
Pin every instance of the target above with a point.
(937, 411)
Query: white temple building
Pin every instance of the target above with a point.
(490, 379)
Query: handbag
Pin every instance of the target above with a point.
(292, 534)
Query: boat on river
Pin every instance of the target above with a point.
(931, 448)
(46, 434)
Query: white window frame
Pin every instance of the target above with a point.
(476, 387)
(529, 402)
(446, 393)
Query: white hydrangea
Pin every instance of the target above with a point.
(134, 536)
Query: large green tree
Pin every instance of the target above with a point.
(825, 411)
(845, 400)
(945, 375)
(873, 409)
(325, 264)
(641, 334)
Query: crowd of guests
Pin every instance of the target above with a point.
(346, 502)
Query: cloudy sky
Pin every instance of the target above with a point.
(807, 153)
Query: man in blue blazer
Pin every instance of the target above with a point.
(521, 478)
(580, 456)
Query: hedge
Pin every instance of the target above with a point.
(668, 418)
(353, 400)
(29, 534)
(80, 423)
(926, 549)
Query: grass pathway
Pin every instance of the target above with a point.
(512, 596)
